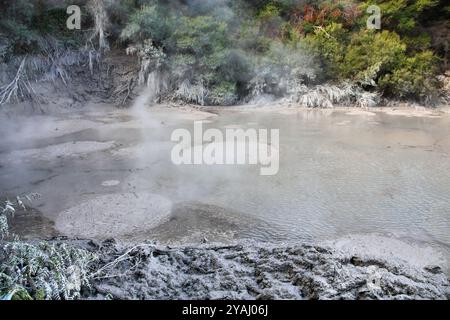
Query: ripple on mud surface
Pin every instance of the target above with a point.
(52, 152)
(114, 215)
(194, 222)
(384, 248)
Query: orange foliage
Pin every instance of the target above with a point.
(323, 14)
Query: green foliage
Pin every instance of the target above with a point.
(199, 35)
(415, 76)
(150, 22)
(39, 270)
(23, 10)
(402, 15)
(224, 93)
(269, 11)
(397, 61)
(202, 42)
(25, 23)
(248, 47)
(43, 270)
(21, 36)
(370, 54)
(329, 43)
(51, 21)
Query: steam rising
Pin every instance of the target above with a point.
(241, 74)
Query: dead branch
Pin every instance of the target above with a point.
(19, 88)
(98, 10)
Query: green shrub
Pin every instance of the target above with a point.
(149, 22)
(199, 35)
(269, 11)
(223, 93)
(371, 54)
(414, 78)
(329, 43)
(401, 15)
(374, 58)
(275, 46)
(43, 270)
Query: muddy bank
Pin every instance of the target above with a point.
(257, 271)
(113, 81)
(390, 108)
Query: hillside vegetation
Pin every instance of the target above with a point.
(223, 52)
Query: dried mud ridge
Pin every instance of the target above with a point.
(257, 272)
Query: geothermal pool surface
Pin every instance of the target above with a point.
(107, 173)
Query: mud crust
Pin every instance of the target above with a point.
(257, 272)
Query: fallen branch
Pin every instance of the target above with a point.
(128, 91)
(119, 259)
(19, 88)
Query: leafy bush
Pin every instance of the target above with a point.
(239, 49)
(223, 93)
(41, 270)
(415, 77)
(150, 22)
(199, 35)
(376, 59)
(370, 54)
(403, 15)
(329, 43)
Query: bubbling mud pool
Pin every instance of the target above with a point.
(106, 173)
